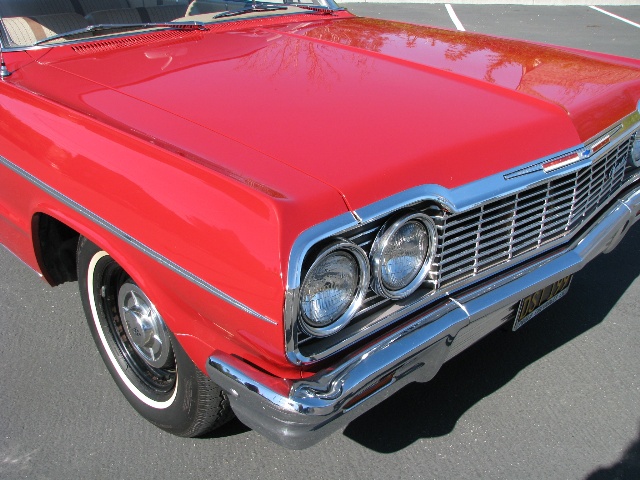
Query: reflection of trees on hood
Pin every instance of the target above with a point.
(289, 53)
(284, 53)
(483, 55)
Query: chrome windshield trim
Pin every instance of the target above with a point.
(132, 241)
(456, 200)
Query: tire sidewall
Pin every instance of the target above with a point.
(173, 411)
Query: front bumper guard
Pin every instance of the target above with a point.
(300, 413)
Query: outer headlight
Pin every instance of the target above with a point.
(333, 288)
(634, 155)
(401, 255)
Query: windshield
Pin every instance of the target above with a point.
(48, 22)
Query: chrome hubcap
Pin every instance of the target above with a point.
(143, 325)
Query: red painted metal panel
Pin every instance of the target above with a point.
(217, 149)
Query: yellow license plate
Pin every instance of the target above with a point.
(535, 303)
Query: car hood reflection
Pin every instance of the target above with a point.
(358, 102)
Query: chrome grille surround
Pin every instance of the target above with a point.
(495, 232)
(484, 227)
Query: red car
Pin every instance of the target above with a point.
(287, 212)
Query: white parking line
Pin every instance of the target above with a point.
(614, 16)
(454, 17)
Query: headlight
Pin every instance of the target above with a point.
(401, 255)
(634, 155)
(333, 288)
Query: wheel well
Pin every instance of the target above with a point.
(55, 246)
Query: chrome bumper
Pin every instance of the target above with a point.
(298, 414)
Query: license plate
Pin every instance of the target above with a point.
(535, 303)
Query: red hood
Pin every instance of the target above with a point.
(369, 107)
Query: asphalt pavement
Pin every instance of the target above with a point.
(558, 399)
(577, 26)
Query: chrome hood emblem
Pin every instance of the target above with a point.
(569, 157)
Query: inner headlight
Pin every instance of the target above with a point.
(634, 155)
(401, 255)
(333, 288)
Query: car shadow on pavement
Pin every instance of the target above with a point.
(230, 429)
(627, 467)
(436, 406)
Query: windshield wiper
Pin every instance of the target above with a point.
(193, 25)
(252, 8)
(318, 8)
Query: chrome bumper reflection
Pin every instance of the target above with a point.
(298, 414)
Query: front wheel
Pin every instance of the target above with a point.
(147, 363)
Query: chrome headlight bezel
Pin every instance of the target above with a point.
(362, 262)
(382, 240)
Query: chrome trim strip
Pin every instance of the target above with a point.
(456, 200)
(303, 412)
(132, 241)
(494, 187)
(583, 151)
(310, 237)
(356, 217)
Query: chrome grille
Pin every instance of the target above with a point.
(494, 233)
